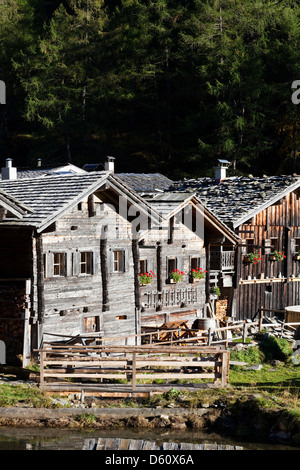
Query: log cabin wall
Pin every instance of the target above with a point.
(271, 284)
(89, 278)
(172, 245)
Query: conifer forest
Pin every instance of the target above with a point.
(162, 85)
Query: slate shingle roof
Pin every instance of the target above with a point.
(49, 195)
(170, 202)
(47, 171)
(145, 182)
(235, 199)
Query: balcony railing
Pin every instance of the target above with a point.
(222, 260)
(173, 297)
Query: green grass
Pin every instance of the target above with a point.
(12, 395)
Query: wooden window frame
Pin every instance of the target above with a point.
(197, 264)
(143, 265)
(169, 268)
(118, 261)
(250, 248)
(85, 263)
(58, 264)
(274, 244)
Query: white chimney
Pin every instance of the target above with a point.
(109, 165)
(221, 170)
(9, 172)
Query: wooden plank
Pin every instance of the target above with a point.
(92, 376)
(200, 375)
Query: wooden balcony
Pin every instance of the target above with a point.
(176, 297)
(222, 260)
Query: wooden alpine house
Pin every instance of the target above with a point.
(265, 214)
(74, 245)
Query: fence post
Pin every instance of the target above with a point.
(133, 366)
(42, 357)
(244, 332)
(225, 368)
(209, 337)
(261, 318)
(226, 334)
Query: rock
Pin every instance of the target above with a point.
(254, 367)
(60, 401)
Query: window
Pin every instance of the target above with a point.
(143, 266)
(86, 262)
(195, 263)
(58, 264)
(297, 244)
(172, 264)
(118, 261)
(250, 245)
(274, 244)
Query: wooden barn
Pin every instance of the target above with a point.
(265, 213)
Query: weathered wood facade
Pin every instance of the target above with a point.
(77, 244)
(182, 241)
(74, 248)
(264, 213)
(273, 284)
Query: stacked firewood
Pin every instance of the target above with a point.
(12, 305)
(221, 309)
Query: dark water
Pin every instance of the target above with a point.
(12, 439)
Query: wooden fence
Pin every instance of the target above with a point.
(214, 336)
(133, 363)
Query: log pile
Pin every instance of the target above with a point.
(221, 309)
(12, 306)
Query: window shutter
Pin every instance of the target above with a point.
(125, 255)
(65, 266)
(293, 246)
(95, 262)
(49, 264)
(267, 246)
(110, 261)
(75, 263)
(180, 264)
(150, 265)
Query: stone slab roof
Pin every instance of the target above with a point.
(47, 171)
(236, 199)
(47, 198)
(169, 203)
(145, 182)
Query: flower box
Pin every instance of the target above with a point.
(277, 256)
(176, 276)
(146, 278)
(197, 274)
(252, 258)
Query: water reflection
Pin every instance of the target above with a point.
(57, 439)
